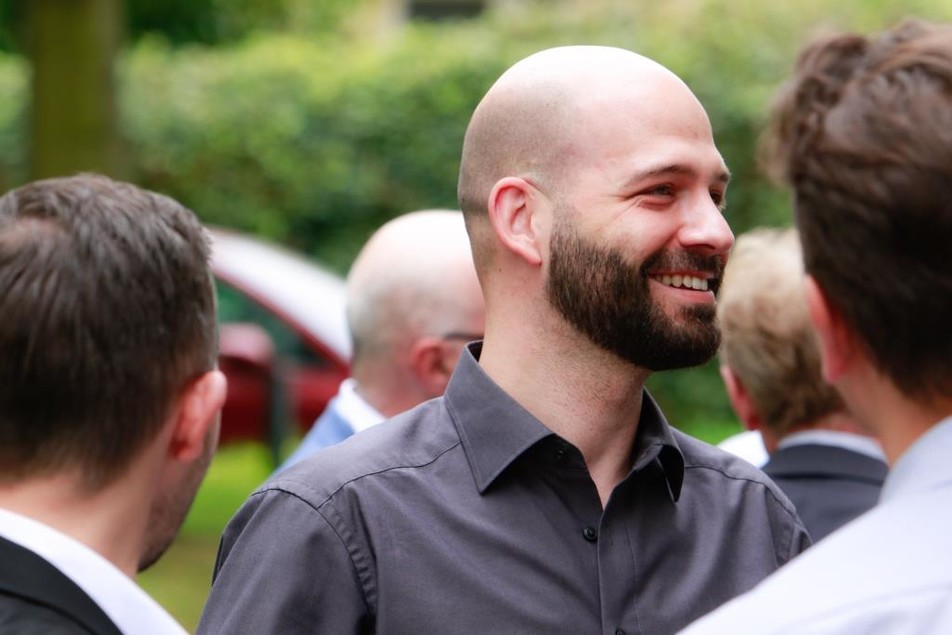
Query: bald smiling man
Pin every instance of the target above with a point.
(544, 492)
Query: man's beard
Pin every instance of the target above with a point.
(609, 300)
(171, 506)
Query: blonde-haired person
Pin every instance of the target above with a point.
(863, 134)
(820, 456)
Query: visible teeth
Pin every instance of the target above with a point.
(687, 282)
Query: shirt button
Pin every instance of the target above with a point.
(590, 534)
(618, 631)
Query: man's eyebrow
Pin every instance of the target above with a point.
(723, 177)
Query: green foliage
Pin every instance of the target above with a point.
(11, 16)
(182, 22)
(314, 139)
(302, 140)
(181, 579)
(13, 96)
(220, 21)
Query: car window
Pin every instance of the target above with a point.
(235, 306)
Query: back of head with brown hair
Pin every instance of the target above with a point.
(767, 339)
(863, 133)
(107, 311)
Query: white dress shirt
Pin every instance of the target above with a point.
(748, 445)
(867, 446)
(127, 605)
(360, 414)
(887, 572)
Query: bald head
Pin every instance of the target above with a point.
(527, 124)
(414, 277)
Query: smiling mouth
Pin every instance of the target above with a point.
(684, 282)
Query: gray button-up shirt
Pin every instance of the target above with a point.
(467, 515)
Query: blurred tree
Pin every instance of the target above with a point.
(313, 132)
(72, 45)
(223, 21)
(10, 22)
(208, 22)
(179, 21)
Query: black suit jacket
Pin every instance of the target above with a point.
(37, 598)
(829, 486)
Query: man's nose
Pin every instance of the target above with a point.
(705, 229)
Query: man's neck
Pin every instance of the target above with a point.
(895, 418)
(584, 394)
(388, 388)
(913, 421)
(105, 521)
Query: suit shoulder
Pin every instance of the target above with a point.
(20, 615)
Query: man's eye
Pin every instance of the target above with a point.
(718, 198)
(661, 190)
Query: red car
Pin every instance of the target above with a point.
(284, 340)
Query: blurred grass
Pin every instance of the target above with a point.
(712, 431)
(181, 579)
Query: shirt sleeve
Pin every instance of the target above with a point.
(282, 568)
(801, 540)
(790, 534)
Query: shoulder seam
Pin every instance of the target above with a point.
(790, 511)
(276, 485)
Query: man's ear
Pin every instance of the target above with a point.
(512, 204)
(197, 414)
(432, 364)
(836, 342)
(740, 400)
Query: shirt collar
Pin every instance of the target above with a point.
(924, 466)
(354, 409)
(858, 443)
(127, 605)
(655, 443)
(495, 429)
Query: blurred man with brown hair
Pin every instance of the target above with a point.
(864, 135)
(109, 399)
(820, 456)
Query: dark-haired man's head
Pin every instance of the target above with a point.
(108, 336)
(863, 134)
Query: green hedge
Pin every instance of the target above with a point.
(315, 141)
(13, 97)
